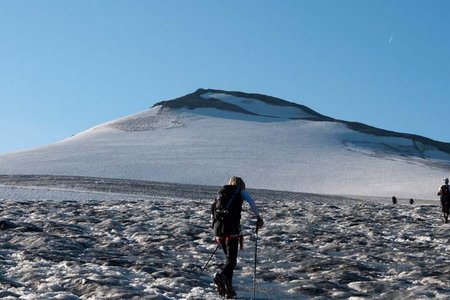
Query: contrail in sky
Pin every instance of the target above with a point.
(391, 38)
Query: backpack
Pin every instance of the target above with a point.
(445, 192)
(226, 211)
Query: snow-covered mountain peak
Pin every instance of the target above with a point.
(209, 135)
(212, 103)
(239, 105)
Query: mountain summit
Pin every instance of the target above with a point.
(275, 109)
(244, 103)
(209, 135)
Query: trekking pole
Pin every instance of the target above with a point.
(204, 267)
(254, 267)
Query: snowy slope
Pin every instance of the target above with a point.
(207, 136)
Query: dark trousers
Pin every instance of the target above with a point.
(445, 205)
(230, 248)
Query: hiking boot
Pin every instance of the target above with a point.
(231, 293)
(220, 282)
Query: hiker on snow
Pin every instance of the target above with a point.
(444, 192)
(394, 200)
(226, 213)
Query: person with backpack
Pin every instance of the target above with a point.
(444, 192)
(394, 200)
(226, 212)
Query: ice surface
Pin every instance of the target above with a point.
(154, 242)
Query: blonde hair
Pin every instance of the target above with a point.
(237, 181)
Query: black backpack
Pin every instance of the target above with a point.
(445, 192)
(226, 211)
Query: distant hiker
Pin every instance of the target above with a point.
(226, 211)
(394, 200)
(444, 192)
(411, 201)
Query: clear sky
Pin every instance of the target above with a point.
(66, 66)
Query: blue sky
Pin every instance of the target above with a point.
(66, 66)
